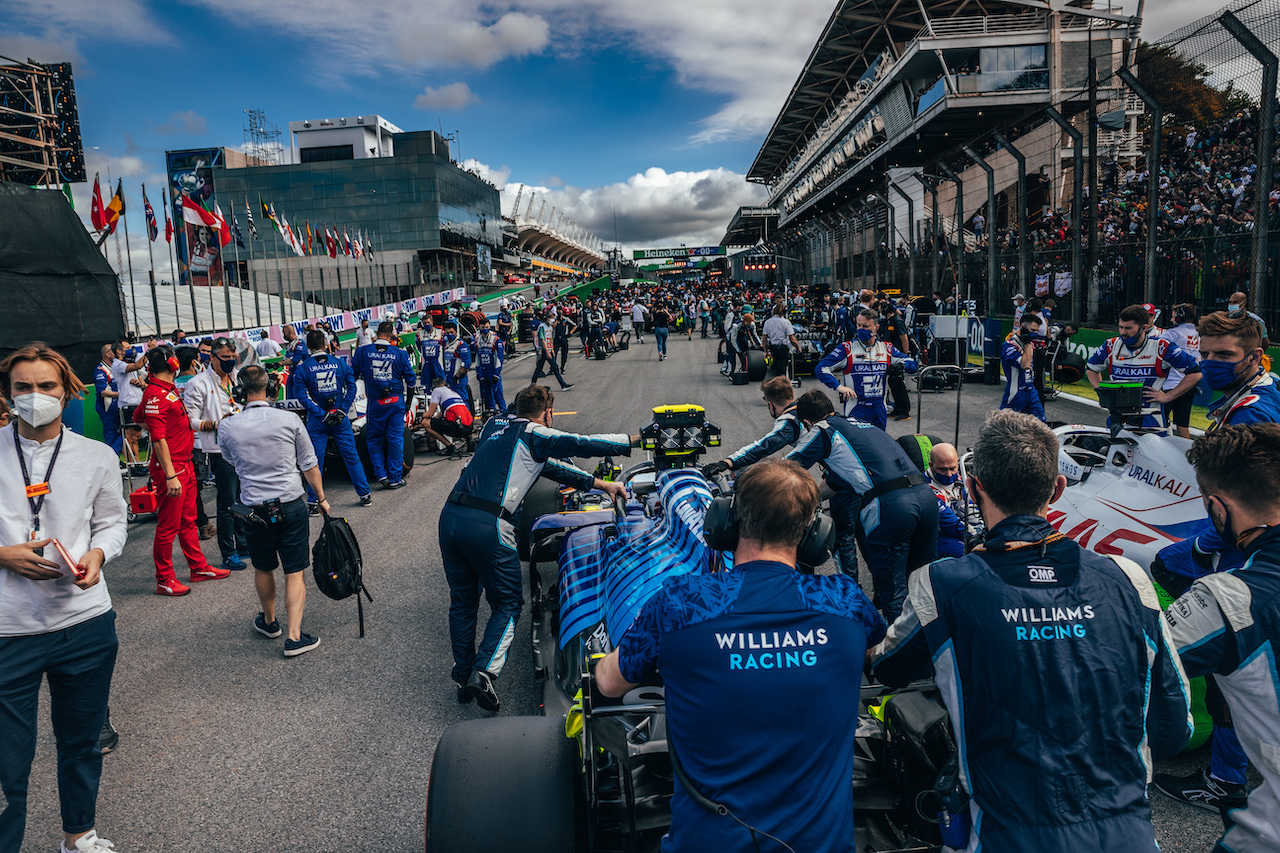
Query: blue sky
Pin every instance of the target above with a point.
(654, 109)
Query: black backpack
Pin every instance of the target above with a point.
(336, 564)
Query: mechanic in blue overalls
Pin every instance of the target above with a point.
(455, 361)
(1056, 667)
(864, 363)
(735, 650)
(879, 499)
(1135, 356)
(489, 355)
(327, 387)
(1231, 363)
(295, 350)
(1017, 357)
(478, 529)
(780, 398)
(388, 389)
(429, 340)
(1228, 624)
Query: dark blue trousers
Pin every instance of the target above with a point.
(491, 391)
(111, 436)
(904, 538)
(384, 431)
(346, 442)
(231, 535)
(479, 552)
(78, 662)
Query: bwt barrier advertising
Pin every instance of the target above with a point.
(344, 320)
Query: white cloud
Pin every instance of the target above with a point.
(652, 208)
(454, 96)
(185, 123)
(496, 176)
(125, 21)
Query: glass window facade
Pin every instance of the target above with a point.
(404, 202)
(1021, 67)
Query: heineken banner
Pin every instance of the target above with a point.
(682, 252)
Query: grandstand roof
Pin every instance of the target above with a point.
(857, 33)
(750, 225)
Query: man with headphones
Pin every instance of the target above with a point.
(766, 628)
(879, 498)
(1058, 672)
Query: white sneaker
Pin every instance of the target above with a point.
(90, 842)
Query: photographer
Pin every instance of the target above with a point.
(1062, 681)
(208, 401)
(735, 748)
(1017, 357)
(267, 448)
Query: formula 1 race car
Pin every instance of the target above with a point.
(595, 773)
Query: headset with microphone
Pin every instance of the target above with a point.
(720, 532)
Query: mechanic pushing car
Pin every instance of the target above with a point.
(723, 641)
(1056, 667)
(327, 387)
(879, 498)
(1135, 356)
(1018, 358)
(780, 398)
(478, 534)
(388, 387)
(1229, 622)
(864, 363)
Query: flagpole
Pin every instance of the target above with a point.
(253, 279)
(173, 264)
(275, 232)
(129, 256)
(235, 250)
(155, 304)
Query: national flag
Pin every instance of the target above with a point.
(310, 248)
(330, 243)
(248, 212)
(355, 246)
(96, 215)
(346, 244)
(168, 226)
(115, 208)
(224, 233)
(153, 230)
(195, 214)
(369, 246)
(267, 212)
(235, 230)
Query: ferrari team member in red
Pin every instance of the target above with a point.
(165, 418)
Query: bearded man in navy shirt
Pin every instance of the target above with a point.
(729, 642)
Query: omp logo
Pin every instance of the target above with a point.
(1042, 574)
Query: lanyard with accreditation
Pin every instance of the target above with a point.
(36, 491)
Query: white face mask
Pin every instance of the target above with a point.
(37, 409)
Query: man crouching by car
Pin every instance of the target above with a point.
(1056, 667)
(723, 642)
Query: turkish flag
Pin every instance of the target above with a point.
(95, 211)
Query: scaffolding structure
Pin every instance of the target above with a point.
(40, 142)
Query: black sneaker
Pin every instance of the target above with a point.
(464, 694)
(108, 738)
(385, 482)
(314, 509)
(480, 686)
(1201, 790)
(270, 630)
(398, 484)
(365, 500)
(302, 645)
(566, 387)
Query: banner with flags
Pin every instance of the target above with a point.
(153, 230)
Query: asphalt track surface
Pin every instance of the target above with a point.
(227, 745)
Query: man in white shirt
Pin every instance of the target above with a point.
(267, 447)
(129, 373)
(208, 402)
(56, 620)
(364, 335)
(781, 336)
(266, 348)
(638, 311)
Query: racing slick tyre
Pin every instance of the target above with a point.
(542, 499)
(502, 784)
(362, 449)
(757, 368)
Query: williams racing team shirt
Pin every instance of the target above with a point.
(1061, 681)
(1149, 364)
(1228, 625)
(762, 668)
